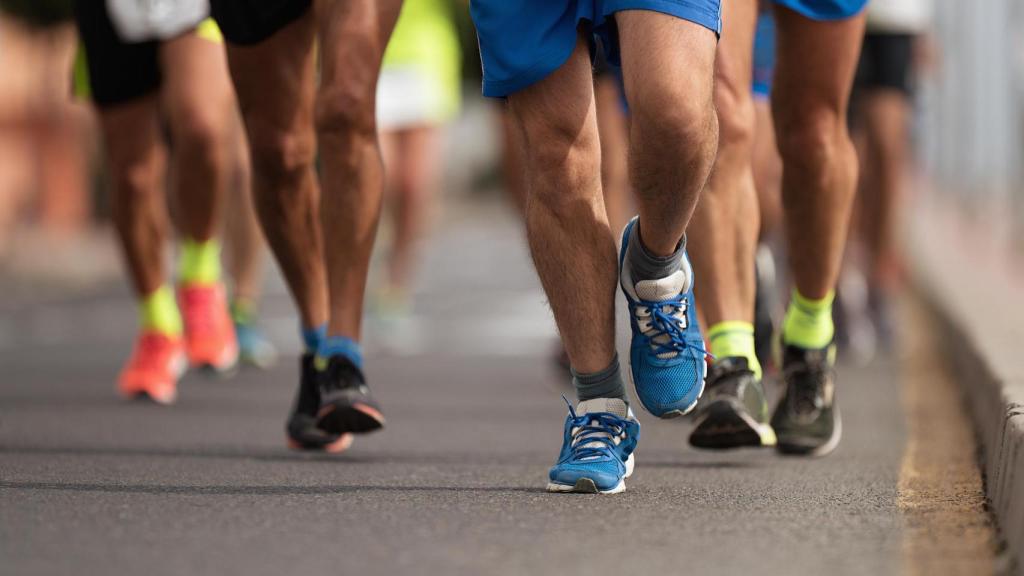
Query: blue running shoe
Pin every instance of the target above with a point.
(597, 448)
(667, 357)
(253, 347)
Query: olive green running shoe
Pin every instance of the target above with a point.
(733, 412)
(806, 418)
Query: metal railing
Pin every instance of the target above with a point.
(972, 126)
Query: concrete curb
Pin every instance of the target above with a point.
(981, 308)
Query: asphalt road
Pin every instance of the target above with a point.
(93, 485)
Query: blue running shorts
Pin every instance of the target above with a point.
(764, 55)
(825, 9)
(522, 42)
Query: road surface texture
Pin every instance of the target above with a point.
(90, 484)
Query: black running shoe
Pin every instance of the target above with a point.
(806, 418)
(303, 433)
(733, 412)
(346, 405)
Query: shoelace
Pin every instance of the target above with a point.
(669, 322)
(594, 433)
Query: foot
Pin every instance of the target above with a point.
(346, 405)
(733, 412)
(806, 418)
(597, 448)
(209, 333)
(154, 368)
(253, 347)
(303, 433)
(667, 355)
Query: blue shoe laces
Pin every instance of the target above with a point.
(594, 433)
(668, 318)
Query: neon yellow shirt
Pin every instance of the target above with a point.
(425, 38)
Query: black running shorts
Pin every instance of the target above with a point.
(887, 62)
(118, 71)
(246, 22)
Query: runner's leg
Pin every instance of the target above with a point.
(353, 37)
(566, 223)
(812, 87)
(279, 126)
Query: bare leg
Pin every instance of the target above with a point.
(137, 161)
(613, 127)
(674, 129)
(196, 95)
(353, 37)
(815, 71)
(725, 226)
(566, 222)
(413, 174)
(242, 237)
(279, 125)
(767, 170)
(886, 115)
(512, 161)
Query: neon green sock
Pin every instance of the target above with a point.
(200, 262)
(734, 339)
(158, 312)
(808, 323)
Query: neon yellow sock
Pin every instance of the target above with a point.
(808, 323)
(200, 262)
(734, 339)
(158, 312)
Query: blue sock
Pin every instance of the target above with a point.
(313, 337)
(341, 346)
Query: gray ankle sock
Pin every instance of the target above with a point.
(604, 384)
(645, 266)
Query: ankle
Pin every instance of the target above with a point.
(808, 322)
(734, 340)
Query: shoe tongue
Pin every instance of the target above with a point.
(662, 288)
(612, 405)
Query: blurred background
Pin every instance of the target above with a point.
(964, 123)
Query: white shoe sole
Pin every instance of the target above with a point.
(826, 448)
(587, 486)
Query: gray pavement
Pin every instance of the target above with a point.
(454, 485)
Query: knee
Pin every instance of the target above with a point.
(736, 118)
(678, 118)
(345, 111)
(280, 157)
(137, 179)
(564, 165)
(204, 133)
(136, 170)
(810, 139)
